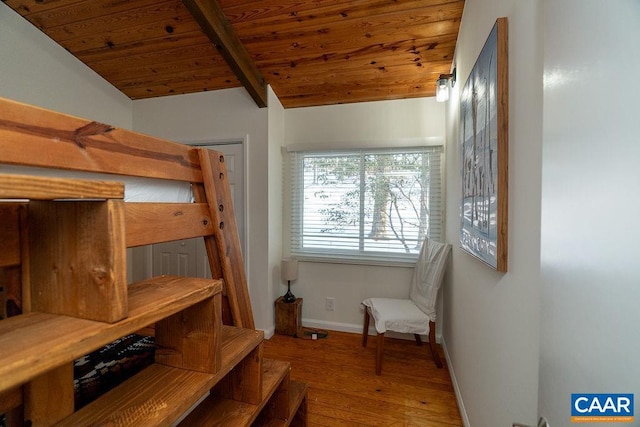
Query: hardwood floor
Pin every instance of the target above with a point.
(344, 390)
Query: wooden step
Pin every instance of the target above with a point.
(214, 411)
(297, 408)
(298, 404)
(31, 343)
(159, 394)
(46, 188)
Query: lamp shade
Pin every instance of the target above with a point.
(289, 269)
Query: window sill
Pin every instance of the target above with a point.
(355, 261)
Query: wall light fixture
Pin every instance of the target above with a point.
(444, 85)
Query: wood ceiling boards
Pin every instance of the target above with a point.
(317, 52)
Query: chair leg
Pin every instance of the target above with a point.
(432, 344)
(365, 329)
(379, 347)
(418, 339)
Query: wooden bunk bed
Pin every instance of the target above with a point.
(63, 272)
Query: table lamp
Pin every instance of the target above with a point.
(289, 272)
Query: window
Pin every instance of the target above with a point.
(365, 205)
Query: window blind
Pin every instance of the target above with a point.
(366, 205)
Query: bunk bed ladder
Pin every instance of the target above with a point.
(224, 250)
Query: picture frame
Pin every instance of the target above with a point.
(484, 149)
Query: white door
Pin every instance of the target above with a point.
(189, 257)
(175, 258)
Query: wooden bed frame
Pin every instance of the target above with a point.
(63, 271)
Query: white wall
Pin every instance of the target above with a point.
(276, 139)
(355, 125)
(37, 71)
(590, 339)
(226, 114)
(491, 320)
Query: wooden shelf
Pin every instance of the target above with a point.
(297, 403)
(159, 394)
(47, 188)
(215, 411)
(236, 344)
(31, 343)
(296, 414)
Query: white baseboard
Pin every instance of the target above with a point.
(456, 387)
(332, 326)
(268, 333)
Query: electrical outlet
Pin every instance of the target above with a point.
(330, 304)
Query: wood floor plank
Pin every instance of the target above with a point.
(392, 408)
(344, 390)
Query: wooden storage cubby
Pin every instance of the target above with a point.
(82, 244)
(33, 343)
(62, 259)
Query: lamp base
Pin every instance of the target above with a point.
(289, 297)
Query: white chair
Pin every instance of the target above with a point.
(416, 315)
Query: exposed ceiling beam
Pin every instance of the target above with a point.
(218, 28)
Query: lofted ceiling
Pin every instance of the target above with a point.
(317, 52)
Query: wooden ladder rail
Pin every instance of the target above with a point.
(224, 250)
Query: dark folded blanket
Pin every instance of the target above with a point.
(100, 371)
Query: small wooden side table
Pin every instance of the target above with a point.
(289, 317)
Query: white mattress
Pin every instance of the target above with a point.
(135, 189)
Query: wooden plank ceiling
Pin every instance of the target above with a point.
(317, 52)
